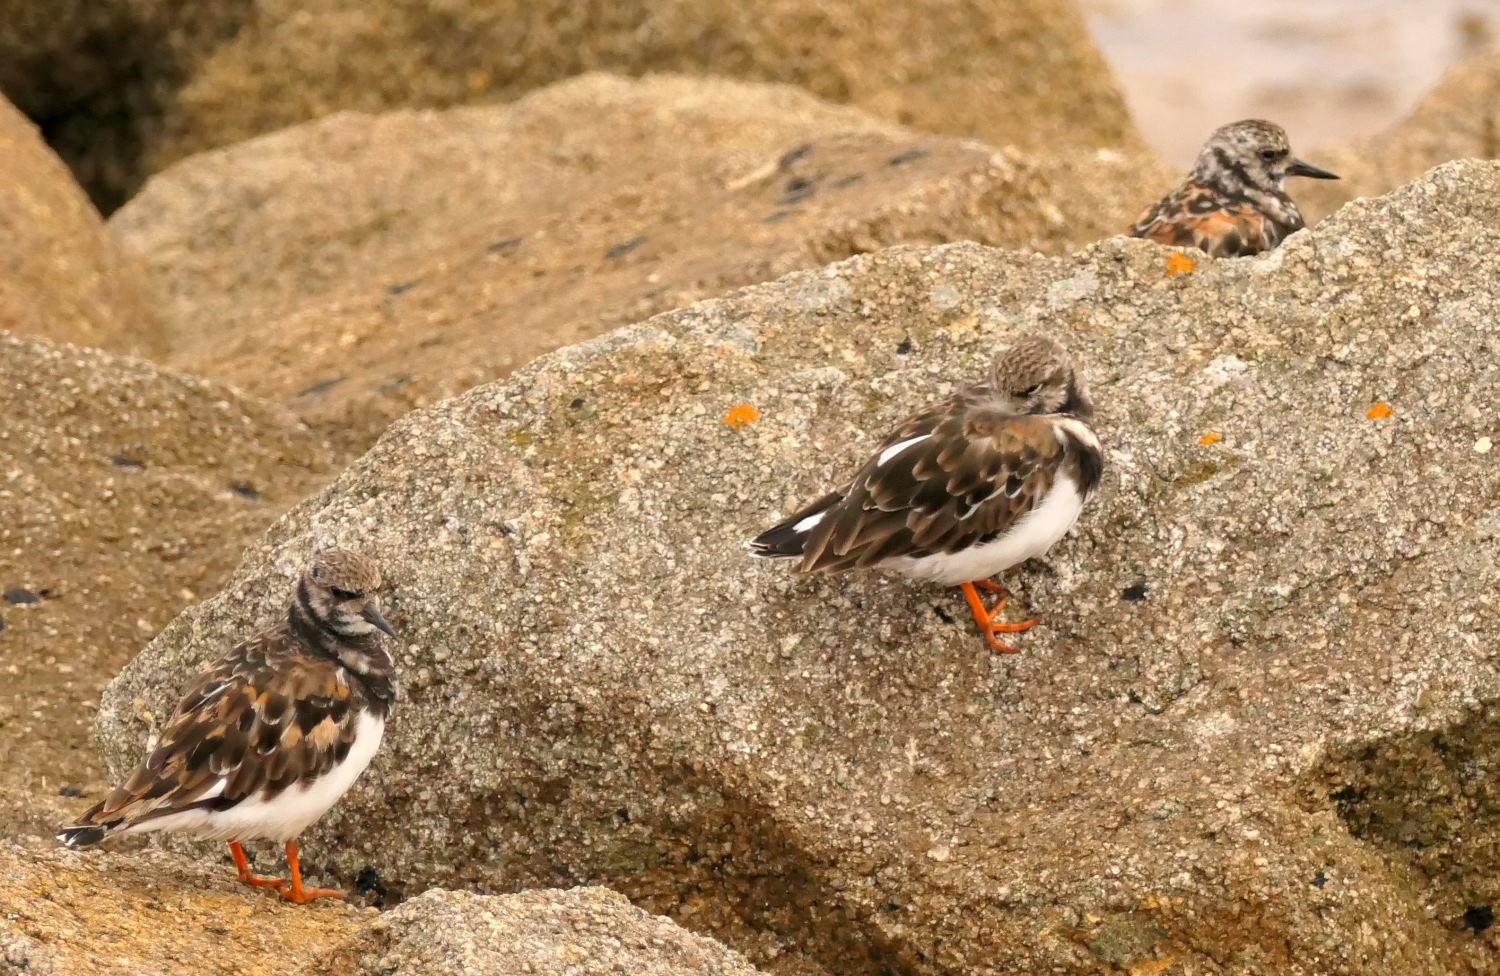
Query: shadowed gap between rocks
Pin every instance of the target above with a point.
(120, 78)
(1429, 800)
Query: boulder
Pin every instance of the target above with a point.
(582, 932)
(105, 912)
(359, 266)
(69, 913)
(126, 492)
(64, 277)
(1251, 734)
(1009, 71)
(1458, 119)
(129, 87)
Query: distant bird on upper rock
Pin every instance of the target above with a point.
(1234, 202)
(272, 735)
(968, 488)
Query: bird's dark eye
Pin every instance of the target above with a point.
(342, 594)
(1269, 155)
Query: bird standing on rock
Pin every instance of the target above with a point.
(272, 735)
(968, 488)
(1234, 203)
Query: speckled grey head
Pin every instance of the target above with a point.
(1038, 376)
(338, 594)
(1251, 155)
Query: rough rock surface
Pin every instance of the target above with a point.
(126, 492)
(64, 277)
(133, 85)
(103, 913)
(1459, 119)
(362, 265)
(1021, 71)
(1217, 753)
(583, 932)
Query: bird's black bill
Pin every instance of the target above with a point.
(374, 617)
(1299, 168)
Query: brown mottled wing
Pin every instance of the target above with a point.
(263, 718)
(977, 474)
(1196, 216)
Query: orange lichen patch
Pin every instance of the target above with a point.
(741, 415)
(1180, 264)
(1380, 411)
(1212, 437)
(1152, 967)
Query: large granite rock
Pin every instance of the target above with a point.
(126, 492)
(1459, 119)
(582, 932)
(131, 86)
(1011, 71)
(1250, 736)
(63, 275)
(362, 265)
(105, 912)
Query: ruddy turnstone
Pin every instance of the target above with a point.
(1234, 202)
(272, 735)
(968, 488)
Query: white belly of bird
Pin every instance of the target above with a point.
(1034, 534)
(291, 811)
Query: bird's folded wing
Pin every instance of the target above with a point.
(260, 721)
(967, 473)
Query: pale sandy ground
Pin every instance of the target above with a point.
(1326, 70)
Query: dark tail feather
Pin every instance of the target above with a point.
(82, 835)
(787, 539)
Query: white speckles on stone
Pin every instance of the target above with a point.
(945, 297)
(1072, 289)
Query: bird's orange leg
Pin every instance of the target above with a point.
(985, 616)
(242, 865)
(299, 894)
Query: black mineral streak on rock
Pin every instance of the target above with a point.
(128, 463)
(794, 156)
(70, 791)
(943, 615)
(1319, 880)
(799, 188)
(910, 156)
(850, 180)
(244, 489)
(322, 386)
(501, 246)
(623, 248)
(400, 288)
(778, 216)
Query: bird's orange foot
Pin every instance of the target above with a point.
(984, 616)
(242, 865)
(302, 896)
(297, 893)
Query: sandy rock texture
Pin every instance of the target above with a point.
(581, 932)
(1459, 119)
(131, 86)
(126, 492)
(64, 277)
(359, 266)
(100, 913)
(1252, 734)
